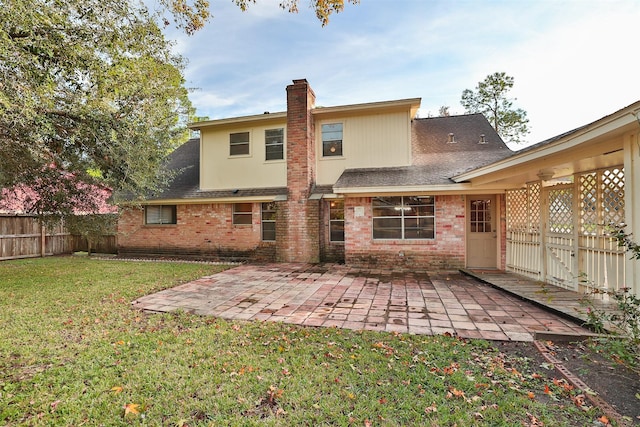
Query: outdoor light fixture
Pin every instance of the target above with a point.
(545, 174)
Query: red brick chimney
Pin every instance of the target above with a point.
(299, 227)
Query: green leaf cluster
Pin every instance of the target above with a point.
(90, 92)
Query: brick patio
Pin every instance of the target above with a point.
(326, 295)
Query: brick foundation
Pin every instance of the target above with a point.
(202, 231)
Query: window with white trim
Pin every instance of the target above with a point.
(242, 213)
(274, 144)
(239, 144)
(404, 217)
(336, 221)
(332, 139)
(160, 214)
(269, 222)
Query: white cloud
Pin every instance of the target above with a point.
(573, 62)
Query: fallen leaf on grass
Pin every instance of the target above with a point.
(116, 389)
(431, 409)
(531, 396)
(604, 420)
(455, 392)
(54, 405)
(131, 408)
(534, 422)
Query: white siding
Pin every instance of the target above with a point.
(378, 140)
(220, 171)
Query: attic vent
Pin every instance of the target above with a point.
(482, 139)
(452, 139)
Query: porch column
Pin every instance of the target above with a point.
(632, 204)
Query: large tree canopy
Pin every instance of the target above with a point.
(92, 97)
(90, 93)
(490, 98)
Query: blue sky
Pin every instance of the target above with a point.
(573, 61)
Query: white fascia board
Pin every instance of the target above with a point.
(464, 188)
(282, 115)
(272, 198)
(594, 130)
(412, 103)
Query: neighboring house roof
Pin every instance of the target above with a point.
(185, 163)
(442, 147)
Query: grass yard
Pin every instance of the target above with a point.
(73, 352)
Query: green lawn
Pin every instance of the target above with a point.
(73, 352)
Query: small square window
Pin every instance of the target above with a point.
(157, 215)
(239, 144)
(332, 140)
(274, 144)
(242, 213)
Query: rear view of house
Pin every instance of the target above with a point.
(366, 183)
(372, 184)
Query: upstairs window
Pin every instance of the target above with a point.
(336, 221)
(404, 218)
(274, 144)
(332, 140)
(239, 144)
(269, 222)
(157, 215)
(242, 213)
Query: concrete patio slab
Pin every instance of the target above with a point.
(335, 295)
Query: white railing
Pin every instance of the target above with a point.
(523, 253)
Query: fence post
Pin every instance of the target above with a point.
(43, 240)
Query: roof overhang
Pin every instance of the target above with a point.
(451, 189)
(245, 120)
(596, 145)
(410, 104)
(212, 200)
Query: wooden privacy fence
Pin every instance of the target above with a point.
(22, 236)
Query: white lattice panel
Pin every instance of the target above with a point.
(589, 203)
(535, 190)
(517, 208)
(613, 196)
(561, 210)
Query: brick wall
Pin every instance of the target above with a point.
(298, 240)
(446, 251)
(202, 231)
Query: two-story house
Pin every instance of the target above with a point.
(366, 183)
(371, 184)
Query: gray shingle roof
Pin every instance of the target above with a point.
(435, 159)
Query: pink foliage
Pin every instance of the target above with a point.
(22, 199)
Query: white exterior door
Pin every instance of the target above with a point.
(482, 236)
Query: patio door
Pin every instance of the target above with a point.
(481, 232)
